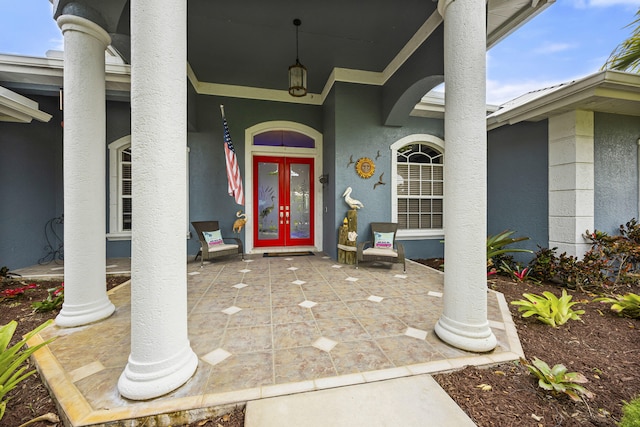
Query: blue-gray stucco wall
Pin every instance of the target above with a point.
(359, 132)
(517, 182)
(616, 170)
(329, 233)
(207, 174)
(30, 185)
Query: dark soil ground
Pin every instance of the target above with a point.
(603, 346)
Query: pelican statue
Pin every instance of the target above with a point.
(353, 203)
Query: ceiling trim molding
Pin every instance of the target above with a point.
(423, 33)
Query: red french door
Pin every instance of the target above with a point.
(283, 201)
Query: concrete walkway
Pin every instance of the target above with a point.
(408, 402)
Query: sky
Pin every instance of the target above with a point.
(569, 40)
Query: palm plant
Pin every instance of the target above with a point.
(496, 244)
(626, 56)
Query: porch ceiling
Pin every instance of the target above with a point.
(253, 45)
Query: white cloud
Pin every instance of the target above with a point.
(582, 4)
(554, 48)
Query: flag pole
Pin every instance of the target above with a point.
(222, 111)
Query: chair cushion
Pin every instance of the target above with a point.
(213, 238)
(222, 247)
(380, 252)
(383, 240)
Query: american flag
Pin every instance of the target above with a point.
(233, 171)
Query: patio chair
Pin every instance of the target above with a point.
(384, 247)
(212, 244)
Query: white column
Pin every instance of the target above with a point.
(464, 323)
(571, 181)
(84, 154)
(161, 358)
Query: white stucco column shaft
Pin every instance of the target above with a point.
(161, 358)
(464, 323)
(84, 153)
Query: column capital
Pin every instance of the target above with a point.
(442, 6)
(83, 25)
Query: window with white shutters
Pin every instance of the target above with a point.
(418, 186)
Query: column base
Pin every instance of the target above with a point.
(143, 381)
(476, 338)
(78, 315)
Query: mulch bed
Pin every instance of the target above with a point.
(603, 347)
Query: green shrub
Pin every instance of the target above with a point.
(631, 414)
(627, 305)
(496, 244)
(548, 308)
(11, 359)
(557, 379)
(54, 300)
(612, 262)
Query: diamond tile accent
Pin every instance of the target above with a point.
(244, 270)
(57, 268)
(216, 356)
(193, 273)
(240, 286)
(231, 310)
(111, 266)
(416, 333)
(401, 276)
(351, 279)
(336, 266)
(374, 298)
(326, 257)
(307, 304)
(298, 282)
(435, 294)
(292, 268)
(288, 259)
(324, 344)
(247, 260)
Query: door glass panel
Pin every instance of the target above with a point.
(268, 199)
(299, 201)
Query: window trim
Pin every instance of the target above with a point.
(115, 201)
(425, 139)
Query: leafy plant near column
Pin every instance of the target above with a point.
(11, 359)
(627, 305)
(548, 308)
(558, 379)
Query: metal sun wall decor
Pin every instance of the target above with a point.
(365, 167)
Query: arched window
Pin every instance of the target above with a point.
(418, 186)
(120, 186)
(284, 138)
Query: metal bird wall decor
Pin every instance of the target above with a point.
(351, 161)
(379, 181)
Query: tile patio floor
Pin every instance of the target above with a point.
(266, 327)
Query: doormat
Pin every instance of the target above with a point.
(286, 254)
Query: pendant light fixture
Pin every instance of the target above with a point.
(297, 72)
